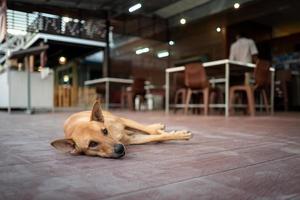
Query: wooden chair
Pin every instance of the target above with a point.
(130, 93)
(283, 79)
(196, 82)
(262, 82)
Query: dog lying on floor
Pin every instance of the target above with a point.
(100, 133)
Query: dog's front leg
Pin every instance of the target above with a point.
(164, 136)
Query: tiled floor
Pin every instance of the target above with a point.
(234, 158)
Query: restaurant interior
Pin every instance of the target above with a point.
(228, 71)
(86, 44)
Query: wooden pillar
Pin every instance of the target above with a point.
(74, 86)
(43, 57)
(29, 64)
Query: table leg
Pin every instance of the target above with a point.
(272, 91)
(9, 89)
(29, 65)
(167, 93)
(227, 89)
(260, 102)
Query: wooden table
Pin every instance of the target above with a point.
(107, 82)
(220, 63)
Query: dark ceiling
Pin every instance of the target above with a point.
(170, 10)
(157, 19)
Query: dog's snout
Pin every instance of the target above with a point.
(119, 148)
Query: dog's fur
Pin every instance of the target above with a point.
(100, 133)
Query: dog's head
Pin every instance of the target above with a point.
(91, 138)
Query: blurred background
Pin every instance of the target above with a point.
(61, 54)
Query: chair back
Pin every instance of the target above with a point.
(262, 74)
(195, 76)
(138, 86)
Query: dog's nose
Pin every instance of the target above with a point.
(119, 148)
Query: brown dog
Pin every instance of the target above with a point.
(100, 133)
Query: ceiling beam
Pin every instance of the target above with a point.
(30, 51)
(179, 7)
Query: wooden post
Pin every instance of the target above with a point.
(74, 86)
(31, 63)
(28, 61)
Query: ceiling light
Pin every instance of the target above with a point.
(162, 54)
(62, 60)
(66, 78)
(182, 21)
(141, 51)
(135, 7)
(171, 42)
(236, 5)
(218, 29)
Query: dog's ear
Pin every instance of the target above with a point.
(97, 112)
(65, 145)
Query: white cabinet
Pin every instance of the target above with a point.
(15, 84)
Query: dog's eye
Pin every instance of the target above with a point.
(104, 131)
(93, 144)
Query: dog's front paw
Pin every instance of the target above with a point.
(183, 135)
(161, 126)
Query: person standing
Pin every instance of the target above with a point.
(243, 49)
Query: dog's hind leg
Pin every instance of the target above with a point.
(151, 129)
(164, 136)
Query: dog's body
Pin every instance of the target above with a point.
(100, 133)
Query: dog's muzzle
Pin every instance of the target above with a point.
(119, 150)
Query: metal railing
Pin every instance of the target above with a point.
(23, 22)
(23, 26)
